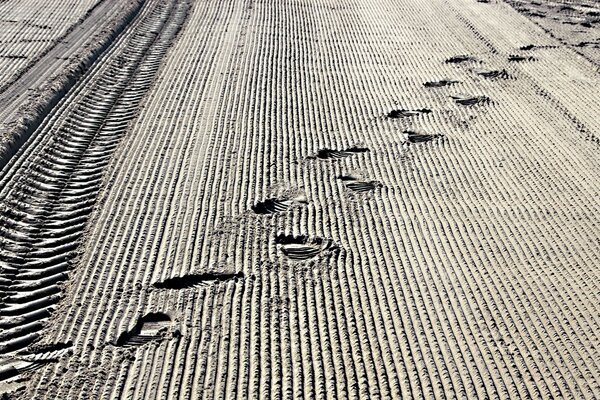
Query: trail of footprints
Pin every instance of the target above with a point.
(156, 327)
(302, 248)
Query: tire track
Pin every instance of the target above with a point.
(36, 91)
(53, 191)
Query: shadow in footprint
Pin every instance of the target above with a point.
(460, 59)
(302, 248)
(197, 280)
(356, 184)
(588, 44)
(492, 73)
(151, 327)
(517, 58)
(418, 137)
(275, 205)
(527, 47)
(466, 100)
(440, 83)
(394, 114)
(325, 154)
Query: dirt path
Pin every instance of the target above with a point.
(358, 199)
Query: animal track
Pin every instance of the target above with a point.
(325, 154)
(407, 113)
(492, 73)
(440, 83)
(196, 280)
(301, 248)
(467, 100)
(417, 137)
(274, 205)
(356, 184)
(151, 327)
(460, 59)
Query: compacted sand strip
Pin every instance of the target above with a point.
(231, 257)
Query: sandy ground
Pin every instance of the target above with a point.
(573, 23)
(28, 28)
(312, 199)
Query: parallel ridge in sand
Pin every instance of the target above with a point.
(28, 28)
(471, 272)
(50, 189)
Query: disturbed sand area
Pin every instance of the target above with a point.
(365, 199)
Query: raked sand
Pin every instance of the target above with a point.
(293, 213)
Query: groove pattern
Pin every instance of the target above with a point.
(28, 28)
(471, 274)
(53, 191)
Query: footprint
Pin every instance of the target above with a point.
(356, 184)
(517, 58)
(32, 360)
(460, 59)
(417, 137)
(152, 327)
(301, 248)
(492, 73)
(527, 47)
(325, 154)
(407, 113)
(275, 205)
(467, 100)
(537, 14)
(440, 83)
(197, 280)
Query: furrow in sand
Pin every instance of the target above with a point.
(466, 274)
(140, 50)
(150, 253)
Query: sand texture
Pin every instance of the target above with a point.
(309, 199)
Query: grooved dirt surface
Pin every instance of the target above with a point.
(313, 199)
(29, 27)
